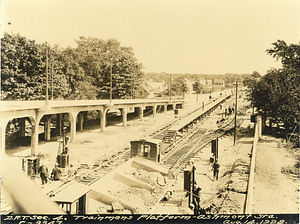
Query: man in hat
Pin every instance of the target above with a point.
(56, 173)
(215, 168)
(196, 199)
(43, 171)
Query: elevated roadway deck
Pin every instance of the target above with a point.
(34, 111)
(186, 121)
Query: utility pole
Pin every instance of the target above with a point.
(46, 107)
(110, 92)
(170, 88)
(47, 102)
(52, 80)
(131, 87)
(252, 102)
(236, 90)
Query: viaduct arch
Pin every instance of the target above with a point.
(75, 116)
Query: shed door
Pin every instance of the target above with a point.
(80, 205)
(146, 150)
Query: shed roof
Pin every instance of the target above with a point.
(71, 193)
(150, 140)
(146, 88)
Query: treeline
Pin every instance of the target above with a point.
(74, 73)
(276, 95)
(229, 78)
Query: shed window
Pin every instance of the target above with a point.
(66, 207)
(144, 150)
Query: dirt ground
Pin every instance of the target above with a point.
(92, 143)
(275, 191)
(227, 194)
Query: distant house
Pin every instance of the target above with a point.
(202, 81)
(151, 89)
(209, 82)
(189, 85)
(144, 92)
(157, 87)
(218, 83)
(207, 87)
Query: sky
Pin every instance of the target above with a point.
(172, 36)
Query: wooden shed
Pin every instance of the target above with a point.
(73, 199)
(147, 148)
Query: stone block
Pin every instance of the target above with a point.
(117, 207)
(132, 182)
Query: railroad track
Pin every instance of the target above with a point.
(196, 145)
(105, 164)
(160, 131)
(197, 142)
(157, 133)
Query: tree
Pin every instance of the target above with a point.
(290, 81)
(23, 68)
(288, 54)
(277, 94)
(256, 75)
(178, 87)
(197, 87)
(61, 87)
(99, 58)
(232, 78)
(78, 73)
(80, 84)
(249, 82)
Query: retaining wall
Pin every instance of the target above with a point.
(249, 196)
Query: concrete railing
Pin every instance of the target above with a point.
(249, 196)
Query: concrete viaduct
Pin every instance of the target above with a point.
(34, 111)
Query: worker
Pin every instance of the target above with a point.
(196, 199)
(167, 196)
(215, 168)
(43, 171)
(31, 171)
(192, 207)
(55, 175)
(222, 119)
(65, 150)
(229, 110)
(72, 171)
